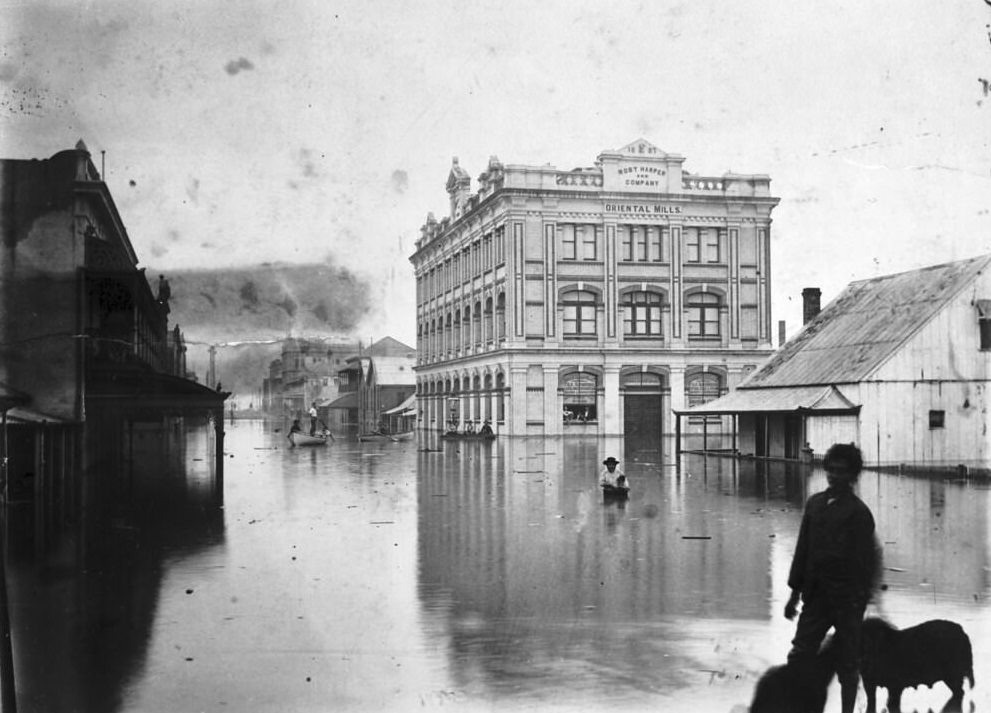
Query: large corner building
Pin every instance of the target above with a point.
(592, 301)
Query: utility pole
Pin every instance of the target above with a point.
(211, 374)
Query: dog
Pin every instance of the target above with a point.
(797, 686)
(897, 659)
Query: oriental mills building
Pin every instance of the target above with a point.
(593, 301)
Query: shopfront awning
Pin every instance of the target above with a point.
(349, 400)
(405, 406)
(788, 399)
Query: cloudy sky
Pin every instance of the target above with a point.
(237, 133)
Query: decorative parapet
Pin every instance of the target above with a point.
(700, 183)
(579, 179)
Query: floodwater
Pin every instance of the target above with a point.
(465, 577)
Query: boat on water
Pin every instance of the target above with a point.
(615, 492)
(458, 436)
(298, 438)
(382, 436)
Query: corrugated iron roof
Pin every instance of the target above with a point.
(394, 371)
(780, 400)
(855, 333)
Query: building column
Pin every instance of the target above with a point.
(677, 391)
(464, 414)
(611, 417)
(517, 400)
(552, 409)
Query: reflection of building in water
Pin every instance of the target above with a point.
(934, 533)
(591, 301)
(518, 545)
(83, 608)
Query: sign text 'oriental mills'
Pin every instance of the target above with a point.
(642, 210)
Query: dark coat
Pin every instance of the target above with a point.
(836, 553)
(896, 659)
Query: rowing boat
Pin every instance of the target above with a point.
(298, 438)
(380, 436)
(615, 492)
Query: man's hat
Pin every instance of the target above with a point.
(610, 460)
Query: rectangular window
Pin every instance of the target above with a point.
(500, 245)
(937, 419)
(569, 248)
(984, 323)
(655, 249)
(710, 244)
(640, 244)
(579, 319)
(588, 233)
(625, 243)
(692, 248)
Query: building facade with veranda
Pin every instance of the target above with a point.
(590, 301)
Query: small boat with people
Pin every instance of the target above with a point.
(485, 433)
(373, 436)
(298, 438)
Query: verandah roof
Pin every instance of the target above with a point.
(792, 399)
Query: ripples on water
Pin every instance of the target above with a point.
(466, 576)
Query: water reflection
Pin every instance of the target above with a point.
(83, 592)
(548, 592)
(469, 576)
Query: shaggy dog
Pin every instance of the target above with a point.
(796, 687)
(896, 659)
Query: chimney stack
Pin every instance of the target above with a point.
(810, 303)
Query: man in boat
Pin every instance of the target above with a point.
(612, 474)
(486, 429)
(313, 419)
(295, 428)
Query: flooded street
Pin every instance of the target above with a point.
(468, 576)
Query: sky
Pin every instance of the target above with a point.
(236, 134)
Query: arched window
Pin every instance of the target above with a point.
(488, 319)
(478, 324)
(703, 315)
(579, 313)
(643, 381)
(703, 387)
(642, 314)
(578, 390)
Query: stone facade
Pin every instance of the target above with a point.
(591, 301)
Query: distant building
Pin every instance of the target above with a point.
(899, 365)
(85, 344)
(591, 301)
(306, 374)
(378, 387)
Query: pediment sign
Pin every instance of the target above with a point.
(643, 149)
(641, 167)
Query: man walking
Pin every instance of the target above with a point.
(834, 570)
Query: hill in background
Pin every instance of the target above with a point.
(246, 312)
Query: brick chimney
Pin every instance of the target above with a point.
(810, 303)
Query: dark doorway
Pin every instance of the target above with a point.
(642, 426)
(760, 436)
(793, 436)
